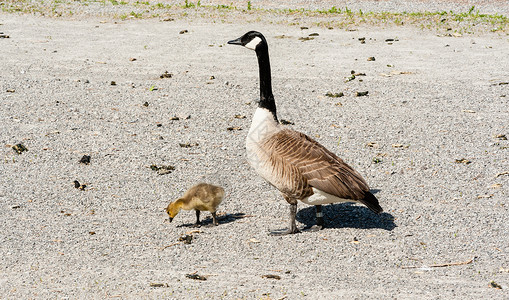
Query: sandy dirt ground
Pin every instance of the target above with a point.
(430, 138)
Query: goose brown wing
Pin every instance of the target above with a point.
(321, 168)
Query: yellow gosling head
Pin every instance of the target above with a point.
(174, 208)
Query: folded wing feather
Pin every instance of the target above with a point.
(302, 163)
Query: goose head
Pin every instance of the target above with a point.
(256, 41)
(252, 40)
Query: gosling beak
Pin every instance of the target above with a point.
(235, 42)
(171, 219)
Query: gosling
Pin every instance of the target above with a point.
(201, 197)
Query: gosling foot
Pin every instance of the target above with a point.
(214, 219)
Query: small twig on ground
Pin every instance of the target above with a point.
(170, 245)
(441, 265)
(503, 173)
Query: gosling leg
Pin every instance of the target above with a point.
(214, 219)
(197, 224)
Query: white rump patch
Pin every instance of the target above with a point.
(253, 43)
(321, 197)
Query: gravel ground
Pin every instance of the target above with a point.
(428, 138)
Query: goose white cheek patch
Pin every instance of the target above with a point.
(253, 43)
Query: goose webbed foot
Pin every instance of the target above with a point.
(314, 228)
(293, 227)
(319, 221)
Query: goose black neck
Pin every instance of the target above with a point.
(266, 96)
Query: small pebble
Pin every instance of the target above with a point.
(166, 75)
(85, 159)
(271, 276)
(285, 122)
(19, 148)
(186, 238)
(196, 277)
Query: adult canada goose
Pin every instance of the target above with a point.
(298, 166)
(201, 197)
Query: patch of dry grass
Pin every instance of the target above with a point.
(452, 22)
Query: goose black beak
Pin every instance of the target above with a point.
(171, 219)
(235, 42)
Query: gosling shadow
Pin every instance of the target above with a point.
(221, 219)
(347, 215)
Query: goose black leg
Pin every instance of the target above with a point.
(319, 216)
(319, 219)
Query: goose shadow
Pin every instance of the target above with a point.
(347, 215)
(223, 219)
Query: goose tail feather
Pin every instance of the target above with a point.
(371, 202)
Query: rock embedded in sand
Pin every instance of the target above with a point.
(162, 170)
(462, 161)
(186, 238)
(19, 148)
(166, 75)
(334, 95)
(196, 277)
(271, 276)
(286, 122)
(85, 159)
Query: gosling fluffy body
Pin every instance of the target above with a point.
(201, 197)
